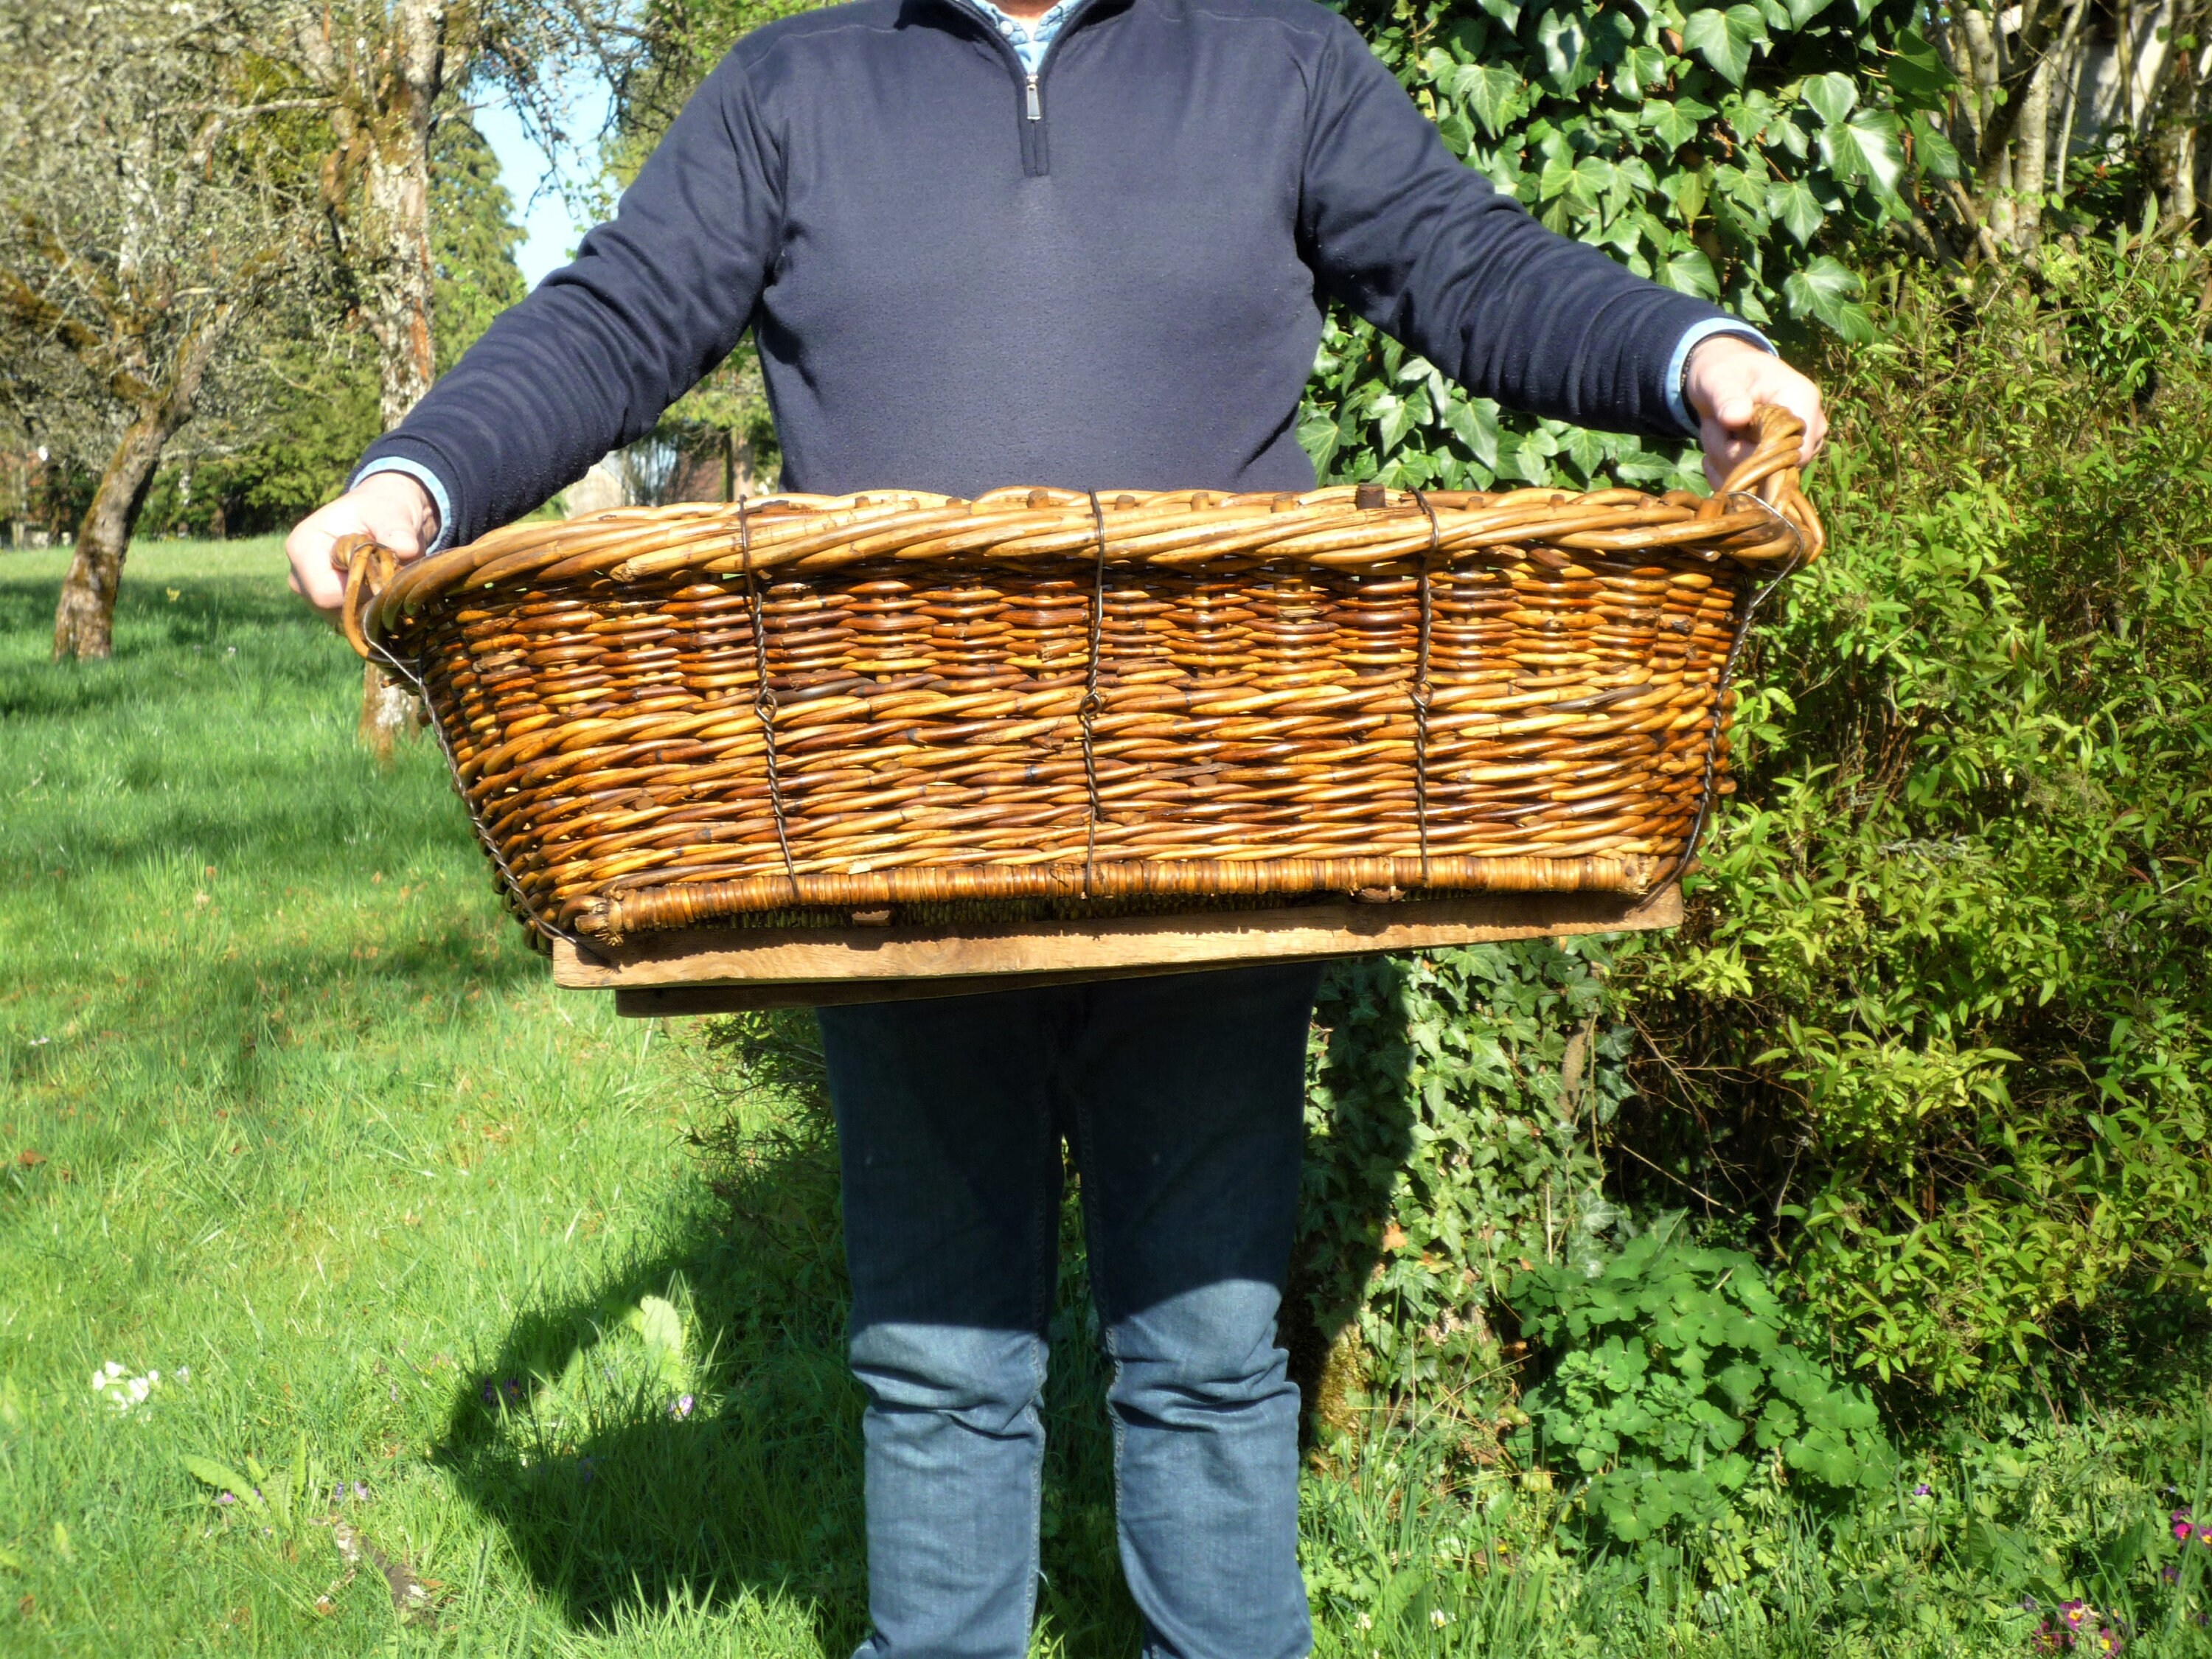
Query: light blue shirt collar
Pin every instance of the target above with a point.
(1030, 41)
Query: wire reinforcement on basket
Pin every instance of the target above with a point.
(663, 717)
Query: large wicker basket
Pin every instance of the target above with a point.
(896, 709)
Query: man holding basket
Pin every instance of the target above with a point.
(1087, 245)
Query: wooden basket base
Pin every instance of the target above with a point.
(727, 970)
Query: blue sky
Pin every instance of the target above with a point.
(549, 233)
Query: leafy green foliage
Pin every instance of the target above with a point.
(1726, 151)
(1452, 1126)
(1938, 1032)
(474, 238)
(1673, 1386)
(1943, 1011)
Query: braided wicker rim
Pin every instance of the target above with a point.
(1759, 525)
(1759, 519)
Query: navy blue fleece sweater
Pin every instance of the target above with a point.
(1111, 274)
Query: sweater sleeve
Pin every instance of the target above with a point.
(653, 300)
(1430, 252)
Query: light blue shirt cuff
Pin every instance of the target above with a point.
(1688, 344)
(431, 482)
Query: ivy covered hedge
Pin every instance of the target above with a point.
(1732, 152)
(1946, 1010)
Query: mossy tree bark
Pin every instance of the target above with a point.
(84, 620)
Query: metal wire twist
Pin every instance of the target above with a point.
(1795, 563)
(1086, 712)
(765, 699)
(1422, 691)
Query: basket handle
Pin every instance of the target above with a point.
(368, 565)
(1771, 473)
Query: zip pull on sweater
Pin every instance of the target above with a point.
(1031, 42)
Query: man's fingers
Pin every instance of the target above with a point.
(1724, 451)
(1816, 432)
(307, 551)
(391, 509)
(1730, 382)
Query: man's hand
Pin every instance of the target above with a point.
(391, 507)
(1728, 381)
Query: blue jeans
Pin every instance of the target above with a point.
(1180, 1098)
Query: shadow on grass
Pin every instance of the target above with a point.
(1345, 1204)
(614, 1502)
(570, 1440)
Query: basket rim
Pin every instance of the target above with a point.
(1759, 519)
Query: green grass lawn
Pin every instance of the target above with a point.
(525, 1322)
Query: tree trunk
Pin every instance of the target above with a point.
(399, 185)
(84, 621)
(2030, 153)
(399, 188)
(2172, 118)
(400, 295)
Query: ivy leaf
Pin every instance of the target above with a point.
(1586, 450)
(1826, 291)
(1643, 69)
(1610, 34)
(1866, 149)
(1793, 206)
(1916, 72)
(1593, 176)
(1319, 436)
(1530, 458)
(1687, 191)
(1674, 123)
(1474, 421)
(1802, 12)
(1496, 95)
(1395, 416)
(1724, 39)
(1691, 272)
(1506, 11)
(1787, 134)
(1832, 96)
(1559, 31)
(1934, 151)
(1738, 188)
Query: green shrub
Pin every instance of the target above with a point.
(1936, 1040)
(1453, 1122)
(1942, 1017)
(1672, 1387)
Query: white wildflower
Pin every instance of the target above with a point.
(115, 1384)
